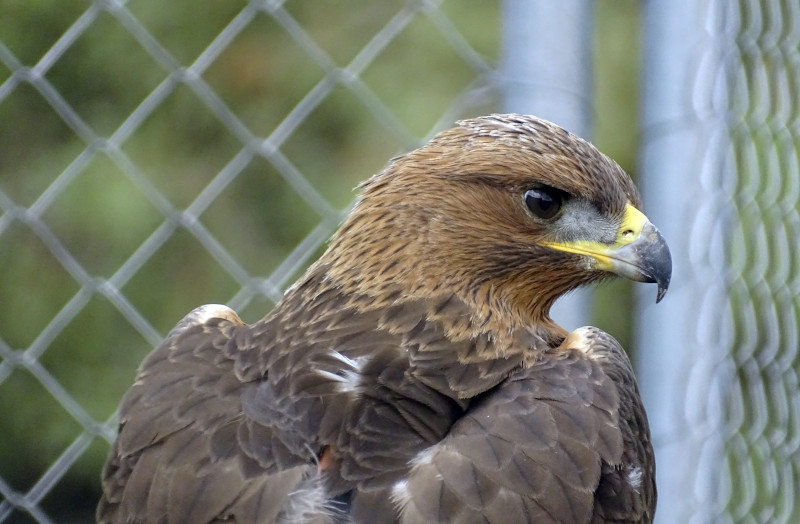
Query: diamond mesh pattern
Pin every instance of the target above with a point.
(113, 282)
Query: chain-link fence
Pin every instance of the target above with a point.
(154, 157)
(185, 153)
(721, 136)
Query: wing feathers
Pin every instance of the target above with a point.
(518, 445)
(185, 453)
(230, 422)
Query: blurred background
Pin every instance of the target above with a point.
(155, 156)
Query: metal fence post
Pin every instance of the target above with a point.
(683, 165)
(547, 71)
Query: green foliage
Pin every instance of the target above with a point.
(617, 64)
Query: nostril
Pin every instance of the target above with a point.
(628, 233)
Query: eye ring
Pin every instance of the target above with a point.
(544, 202)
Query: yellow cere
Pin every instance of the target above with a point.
(631, 227)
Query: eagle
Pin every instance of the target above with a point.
(413, 373)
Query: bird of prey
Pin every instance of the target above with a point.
(413, 373)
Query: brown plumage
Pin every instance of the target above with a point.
(413, 373)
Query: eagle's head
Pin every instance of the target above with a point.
(507, 211)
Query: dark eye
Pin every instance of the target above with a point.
(544, 202)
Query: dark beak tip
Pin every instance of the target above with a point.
(660, 266)
(662, 290)
(663, 276)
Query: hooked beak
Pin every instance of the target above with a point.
(639, 253)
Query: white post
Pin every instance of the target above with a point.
(547, 72)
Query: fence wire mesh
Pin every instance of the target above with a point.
(117, 84)
(157, 157)
(757, 379)
(723, 142)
